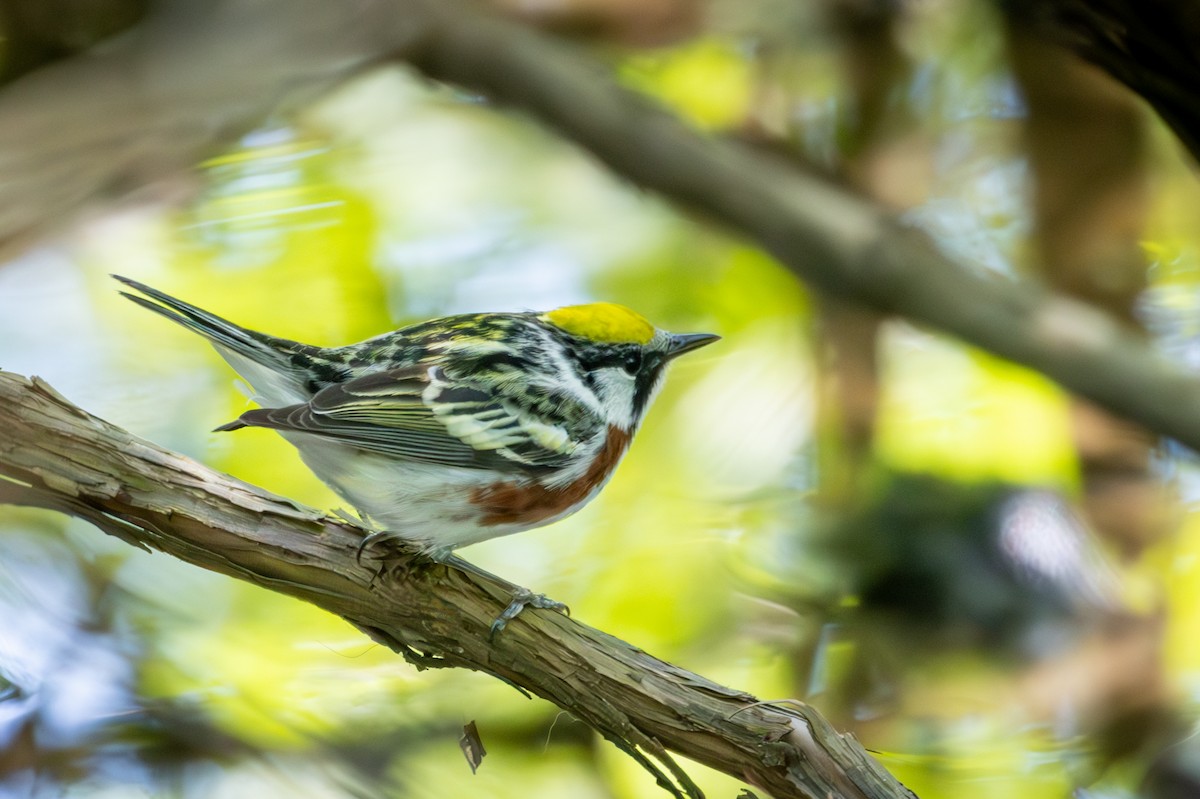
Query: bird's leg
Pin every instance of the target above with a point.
(522, 597)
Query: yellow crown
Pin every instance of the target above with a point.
(602, 321)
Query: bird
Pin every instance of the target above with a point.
(459, 429)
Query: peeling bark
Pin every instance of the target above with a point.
(54, 455)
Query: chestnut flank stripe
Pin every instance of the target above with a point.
(516, 503)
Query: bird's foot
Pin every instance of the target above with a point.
(524, 598)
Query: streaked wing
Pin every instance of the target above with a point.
(416, 413)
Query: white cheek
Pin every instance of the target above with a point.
(615, 390)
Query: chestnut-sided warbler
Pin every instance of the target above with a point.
(458, 429)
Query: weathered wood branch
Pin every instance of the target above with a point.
(55, 455)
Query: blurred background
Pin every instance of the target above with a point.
(991, 583)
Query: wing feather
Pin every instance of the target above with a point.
(417, 413)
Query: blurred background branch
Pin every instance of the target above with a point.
(128, 120)
(835, 240)
(158, 101)
(38, 33)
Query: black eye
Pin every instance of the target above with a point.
(632, 362)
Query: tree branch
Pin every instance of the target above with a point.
(56, 456)
(836, 241)
(118, 128)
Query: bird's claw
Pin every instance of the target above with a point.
(524, 598)
(396, 559)
(369, 540)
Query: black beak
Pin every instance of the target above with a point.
(686, 342)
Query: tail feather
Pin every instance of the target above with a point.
(218, 330)
(264, 361)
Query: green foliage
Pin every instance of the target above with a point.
(390, 201)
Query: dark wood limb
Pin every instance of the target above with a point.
(54, 455)
(1152, 46)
